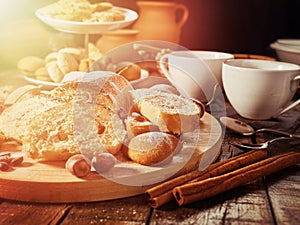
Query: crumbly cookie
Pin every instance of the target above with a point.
(66, 62)
(51, 57)
(152, 148)
(54, 71)
(28, 65)
(77, 53)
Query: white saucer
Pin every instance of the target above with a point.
(51, 85)
(44, 84)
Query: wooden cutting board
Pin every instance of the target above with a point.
(51, 182)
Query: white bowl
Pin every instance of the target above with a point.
(287, 52)
(290, 42)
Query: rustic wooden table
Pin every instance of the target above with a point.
(274, 199)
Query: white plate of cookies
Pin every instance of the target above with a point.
(71, 63)
(50, 70)
(45, 84)
(105, 19)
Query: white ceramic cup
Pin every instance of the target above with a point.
(189, 74)
(214, 61)
(260, 89)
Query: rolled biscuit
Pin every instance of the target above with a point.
(51, 57)
(54, 71)
(28, 65)
(42, 74)
(66, 62)
(77, 53)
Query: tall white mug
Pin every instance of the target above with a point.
(260, 89)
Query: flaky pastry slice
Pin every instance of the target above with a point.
(15, 118)
(171, 113)
(62, 131)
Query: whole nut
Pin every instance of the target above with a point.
(131, 72)
(103, 162)
(5, 154)
(78, 165)
(5, 159)
(4, 166)
(16, 161)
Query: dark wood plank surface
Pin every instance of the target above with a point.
(274, 199)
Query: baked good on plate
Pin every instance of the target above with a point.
(152, 148)
(100, 111)
(107, 88)
(15, 118)
(171, 113)
(138, 124)
(55, 134)
(74, 117)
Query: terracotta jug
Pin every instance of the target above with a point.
(116, 38)
(160, 20)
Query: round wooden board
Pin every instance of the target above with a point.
(51, 182)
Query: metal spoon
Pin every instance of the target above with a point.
(246, 130)
(259, 146)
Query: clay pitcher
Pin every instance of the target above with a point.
(116, 38)
(160, 20)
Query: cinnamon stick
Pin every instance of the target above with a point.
(192, 192)
(162, 193)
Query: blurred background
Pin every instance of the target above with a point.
(233, 26)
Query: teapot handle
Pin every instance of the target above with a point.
(184, 16)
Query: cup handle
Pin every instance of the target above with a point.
(163, 62)
(185, 14)
(294, 104)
